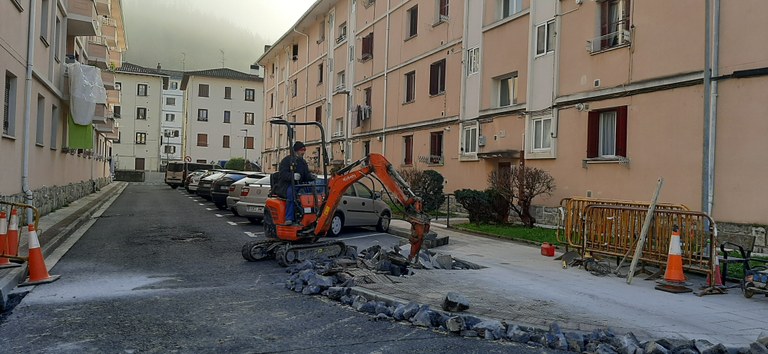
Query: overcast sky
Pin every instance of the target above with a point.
(205, 34)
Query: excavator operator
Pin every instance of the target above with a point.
(292, 168)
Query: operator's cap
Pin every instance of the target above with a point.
(299, 146)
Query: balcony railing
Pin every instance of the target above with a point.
(619, 38)
(104, 7)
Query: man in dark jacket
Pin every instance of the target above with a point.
(292, 167)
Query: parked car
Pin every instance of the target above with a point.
(190, 183)
(204, 186)
(359, 206)
(236, 188)
(220, 187)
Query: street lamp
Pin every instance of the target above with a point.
(245, 147)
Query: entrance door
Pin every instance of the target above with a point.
(139, 164)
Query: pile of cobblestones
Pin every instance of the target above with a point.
(330, 278)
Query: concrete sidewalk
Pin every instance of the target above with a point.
(523, 287)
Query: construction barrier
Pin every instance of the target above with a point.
(11, 249)
(571, 221)
(615, 231)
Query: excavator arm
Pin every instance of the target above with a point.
(378, 166)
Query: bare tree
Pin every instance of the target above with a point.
(522, 184)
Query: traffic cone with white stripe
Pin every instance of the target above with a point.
(4, 262)
(13, 234)
(674, 279)
(717, 276)
(38, 273)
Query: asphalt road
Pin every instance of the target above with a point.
(161, 271)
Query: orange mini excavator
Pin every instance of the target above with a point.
(316, 204)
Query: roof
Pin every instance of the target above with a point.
(136, 69)
(222, 73)
(175, 74)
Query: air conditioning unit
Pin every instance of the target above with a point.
(118, 86)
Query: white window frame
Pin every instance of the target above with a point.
(140, 138)
(202, 115)
(473, 61)
(170, 101)
(142, 90)
(515, 7)
(409, 22)
(170, 117)
(439, 18)
(545, 38)
(40, 122)
(145, 110)
(607, 140)
(541, 131)
(341, 79)
(512, 87)
(474, 135)
(9, 113)
(410, 85)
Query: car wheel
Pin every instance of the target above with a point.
(175, 186)
(234, 211)
(255, 220)
(221, 206)
(336, 224)
(383, 224)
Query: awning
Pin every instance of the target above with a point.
(499, 154)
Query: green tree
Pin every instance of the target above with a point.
(235, 163)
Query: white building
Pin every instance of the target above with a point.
(172, 114)
(223, 115)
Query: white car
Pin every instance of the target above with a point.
(236, 188)
(192, 180)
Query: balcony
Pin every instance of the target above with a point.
(104, 7)
(113, 96)
(115, 59)
(102, 114)
(81, 19)
(107, 126)
(620, 38)
(98, 53)
(109, 31)
(108, 78)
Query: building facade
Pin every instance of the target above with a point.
(173, 117)
(223, 116)
(141, 113)
(594, 92)
(49, 160)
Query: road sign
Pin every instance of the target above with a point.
(188, 159)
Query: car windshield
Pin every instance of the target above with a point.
(264, 180)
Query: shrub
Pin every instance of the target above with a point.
(479, 205)
(235, 163)
(426, 184)
(524, 184)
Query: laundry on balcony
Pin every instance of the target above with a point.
(363, 113)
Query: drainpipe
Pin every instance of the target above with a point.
(386, 86)
(711, 62)
(27, 109)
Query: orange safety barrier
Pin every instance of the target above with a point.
(571, 222)
(4, 262)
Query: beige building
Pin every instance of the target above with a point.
(223, 115)
(141, 113)
(48, 161)
(606, 95)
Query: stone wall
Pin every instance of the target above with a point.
(758, 231)
(49, 199)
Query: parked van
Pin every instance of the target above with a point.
(177, 171)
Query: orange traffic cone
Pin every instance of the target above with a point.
(13, 234)
(717, 276)
(674, 279)
(4, 262)
(38, 273)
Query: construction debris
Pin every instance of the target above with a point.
(455, 302)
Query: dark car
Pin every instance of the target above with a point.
(220, 187)
(204, 186)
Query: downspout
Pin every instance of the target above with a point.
(28, 108)
(386, 85)
(705, 197)
(464, 77)
(715, 54)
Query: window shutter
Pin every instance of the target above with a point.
(593, 134)
(434, 76)
(621, 131)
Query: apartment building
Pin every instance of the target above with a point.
(49, 160)
(141, 113)
(223, 115)
(607, 95)
(173, 116)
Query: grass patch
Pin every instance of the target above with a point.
(736, 270)
(513, 232)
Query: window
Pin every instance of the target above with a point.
(545, 38)
(295, 51)
(437, 78)
(202, 139)
(442, 10)
(141, 90)
(202, 115)
(170, 117)
(436, 147)
(473, 61)
(614, 24)
(249, 118)
(510, 7)
(141, 138)
(321, 34)
(169, 149)
(202, 90)
(44, 20)
(57, 40)
(367, 51)
(54, 125)
(227, 93)
(342, 32)
(410, 87)
(225, 141)
(117, 111)
(272, 100)
(607, 133)
(9, 105)
(469, 139)
(250, 94)
(319, 114)
(174, 85)
(542, 133)
(119, 134)
(341, 80)
(170, 101)
(295, 87)
(339, 127)
(141, 113)
(368, 96)
(320, 73)
(413, 22)
(248, 142)
(40, 128)
(366, 148)
(408, 150)
(506, 88)
(226, 116)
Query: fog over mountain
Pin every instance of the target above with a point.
(204, 34)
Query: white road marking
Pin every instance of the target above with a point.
(232, 223)
(363, 236)
(254, 234)
(208, 208)
(219, 215)
(201, 203)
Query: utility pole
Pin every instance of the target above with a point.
(245, 147)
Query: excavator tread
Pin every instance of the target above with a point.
(289, 254)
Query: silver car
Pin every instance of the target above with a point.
(359, 206)
(236, 188)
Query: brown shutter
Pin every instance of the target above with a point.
(621, 131)
(593, 134)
